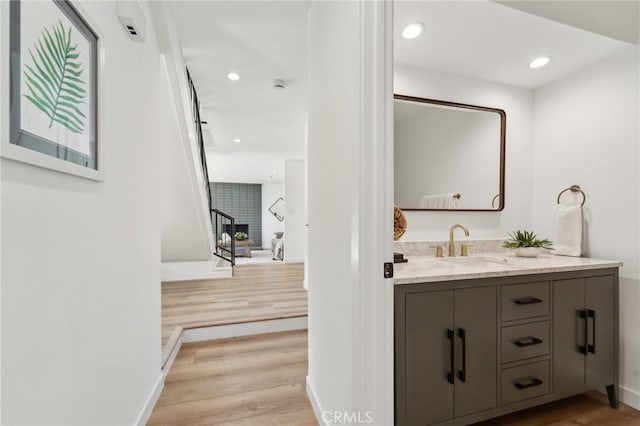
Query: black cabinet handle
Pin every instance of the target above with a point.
(462, 374)
(529, 384)
(527, 341)
(527, 301)
(592, 314)
(451, 355)
(582, 314)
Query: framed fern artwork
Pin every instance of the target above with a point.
(53, 79)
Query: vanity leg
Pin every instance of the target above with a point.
(611, 393)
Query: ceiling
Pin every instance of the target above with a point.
(490, 41)
(266, 40)
(611, 18)
(261, 41)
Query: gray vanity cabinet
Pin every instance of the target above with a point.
(473, 349)
(584, 330)
(450, 352)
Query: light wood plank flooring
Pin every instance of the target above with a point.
(590, 409)
(260, 380)
(254, 293)
(251, 380)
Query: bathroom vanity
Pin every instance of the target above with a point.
(479, 337)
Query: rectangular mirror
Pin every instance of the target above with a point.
(448, 156)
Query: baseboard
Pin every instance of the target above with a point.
(629, 397)
(315, 404)
(168, 359)
(295, 260)
(189, 271)
(171, 343)
(143, 418)
(202, 334)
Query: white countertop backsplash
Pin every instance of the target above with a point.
(422, 248)
(487, 259)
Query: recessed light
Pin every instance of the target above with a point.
(233, 76)
(539, 62)
(274, 171)
(236, 140)
(412, 30)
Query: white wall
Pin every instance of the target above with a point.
(184, 232)
(80, 259)
(350, 194)
(586, 132)
(185, 218)
(517, 104)
(331, 190)
(295, 211)
(270, 193)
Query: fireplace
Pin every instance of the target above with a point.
(240, 227)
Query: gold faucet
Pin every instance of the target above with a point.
(452, 247)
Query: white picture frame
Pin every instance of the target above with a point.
(35, 157)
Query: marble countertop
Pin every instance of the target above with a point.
(421, 269)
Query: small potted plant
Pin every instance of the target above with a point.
(240, 236)
(526, 244)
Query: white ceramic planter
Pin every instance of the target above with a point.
(527, 251)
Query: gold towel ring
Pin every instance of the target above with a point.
(494, 200)
(574, 188)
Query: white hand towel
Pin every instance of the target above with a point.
(440, 201)
(568, 241)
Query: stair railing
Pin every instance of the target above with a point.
(224, 230)
(217, 217)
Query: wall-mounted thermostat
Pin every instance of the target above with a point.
(131, 18)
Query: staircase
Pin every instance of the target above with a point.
(223, 249)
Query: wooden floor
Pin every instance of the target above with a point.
(252, 381)
(260, 380)
(591, 409)
(254, 293)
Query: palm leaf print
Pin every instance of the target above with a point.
(55, 80)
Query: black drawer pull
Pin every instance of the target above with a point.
(462, 374)
(451, 355)
(582, 314)
(531, 383)
(592, 348)
(527, 301)
(527, 341)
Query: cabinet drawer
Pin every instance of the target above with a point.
(524, 382)
(525, 300)
(525, 341)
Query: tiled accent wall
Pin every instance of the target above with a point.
(243, 201)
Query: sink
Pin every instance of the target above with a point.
(475, 260)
